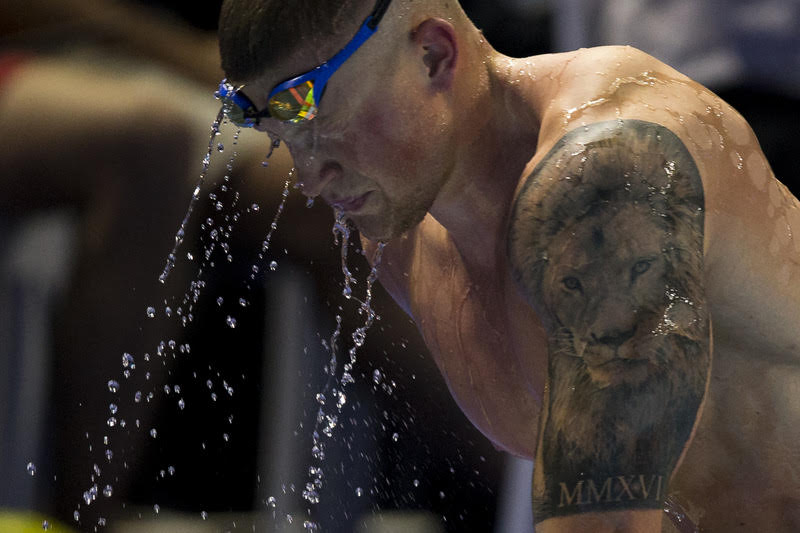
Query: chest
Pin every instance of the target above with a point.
(487, 343)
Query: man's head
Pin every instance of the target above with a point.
(382, 143)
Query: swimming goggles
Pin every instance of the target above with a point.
(296, 100)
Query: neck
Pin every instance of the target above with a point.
(496, 137)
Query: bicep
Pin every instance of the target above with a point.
(606, 242)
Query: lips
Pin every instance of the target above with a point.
(350, 204)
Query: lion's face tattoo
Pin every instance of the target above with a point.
(604, 283)
(606, 242)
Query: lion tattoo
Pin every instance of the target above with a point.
(606, 241)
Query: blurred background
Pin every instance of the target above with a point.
(106, 109)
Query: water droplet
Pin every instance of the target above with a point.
(151, 312)
(395, 437)
(108, 491)
(230, 321)
(204, 515)
(157, 508)
(113, 408)
(273, 266)
(31, 469)
(128, 361)
(101, 521)
(181, 404)
(441, 495)
(272, 502)
(171, 470)
(317, 452)
(255, 208)
(310, 202)
(377, 376)
(77, 516)
(359, 492)
(109, 455)
(243, 302)
(111, 422)
(320, 398)
(137, 397)
(113, 386)
(220, 147)
(416, 483)
(45, 524)
(226, 437)
(153, 433)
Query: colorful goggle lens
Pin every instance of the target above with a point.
(294, 104)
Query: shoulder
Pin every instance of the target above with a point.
(618, 191)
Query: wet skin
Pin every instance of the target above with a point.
(721, 441)
(738, 472)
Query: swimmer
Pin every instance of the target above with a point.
(592, 245)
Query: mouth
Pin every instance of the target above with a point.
(617, 371)
(351, 204)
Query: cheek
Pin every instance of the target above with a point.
(380, 135)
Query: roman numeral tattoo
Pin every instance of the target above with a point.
(606, 242)
(618, 489)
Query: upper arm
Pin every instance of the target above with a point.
(606, 242)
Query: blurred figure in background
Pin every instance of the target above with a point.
(102, 144)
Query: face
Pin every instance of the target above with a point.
(369, 152)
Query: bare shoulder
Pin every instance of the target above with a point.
(750, 217)
(631, 178)
(606, 242)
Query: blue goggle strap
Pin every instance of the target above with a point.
(321, 74)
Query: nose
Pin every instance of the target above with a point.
(613, 337)
(314, 181)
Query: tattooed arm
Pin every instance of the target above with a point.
(606, 241)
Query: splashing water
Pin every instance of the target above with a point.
(327, 421)
(172, 257)
(219, 232)
(273, 265)
(341, 231)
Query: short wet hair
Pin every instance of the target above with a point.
(254, 34)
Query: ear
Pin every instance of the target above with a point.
(437, 39)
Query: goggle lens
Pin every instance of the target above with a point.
(235, 113)
(236, 105)
(294, 104)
